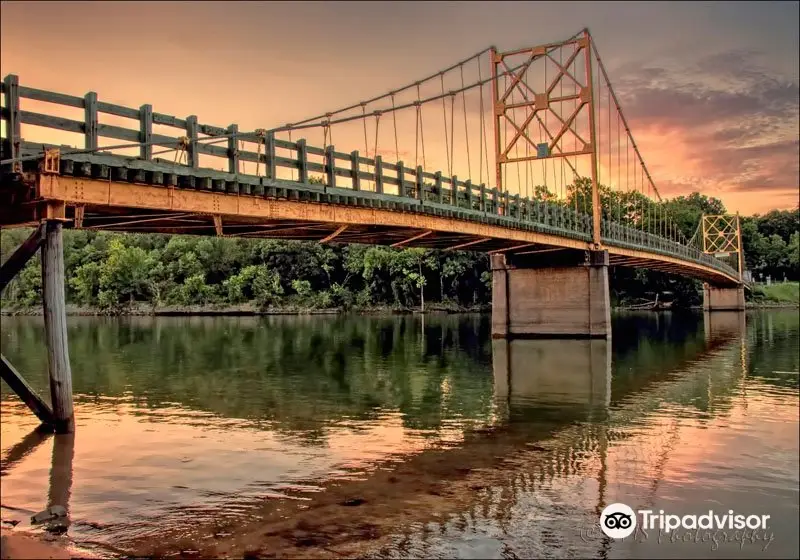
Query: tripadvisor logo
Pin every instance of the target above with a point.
(619, 521)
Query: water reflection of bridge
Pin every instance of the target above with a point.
(542, 379)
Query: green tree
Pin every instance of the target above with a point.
(195, 291)
(794, 252)
(123, 275)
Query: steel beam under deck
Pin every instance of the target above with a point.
(197, 211)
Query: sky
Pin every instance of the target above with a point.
(710, 89)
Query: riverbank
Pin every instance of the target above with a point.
(785, 294)
(244, 310)
(772, 305)
(249, 311)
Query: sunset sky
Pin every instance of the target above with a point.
(710, 89)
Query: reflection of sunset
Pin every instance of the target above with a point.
(161, 452)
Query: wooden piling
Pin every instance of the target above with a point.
(55, 323)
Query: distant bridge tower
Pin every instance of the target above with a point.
(722, 237)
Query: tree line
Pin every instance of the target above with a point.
(112, 271)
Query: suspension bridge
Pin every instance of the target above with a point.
(524, 154)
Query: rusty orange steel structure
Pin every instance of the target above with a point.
(722, 235)
(540, 104)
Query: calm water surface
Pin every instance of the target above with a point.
(182, 422)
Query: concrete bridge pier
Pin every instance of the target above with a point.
(551, 294)
(723, 299)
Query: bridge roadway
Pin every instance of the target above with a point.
(99, 191)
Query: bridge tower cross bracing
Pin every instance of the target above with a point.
(539, 103)
(721, 236)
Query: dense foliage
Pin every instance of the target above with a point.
(111, 271)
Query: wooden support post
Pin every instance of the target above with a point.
(330, 166)
(146, 131)
(192, 155)
(302, 155)
(90, 124)
(468, 189)
(401, 176)
(439, 190)
(454, 190)
(378, 174)
(233, 149)
(354, 169)
(55, 323)
(483, 197)
(420, 184)
(11, 144)
(269, 150)
(25, 392)
(20, 258)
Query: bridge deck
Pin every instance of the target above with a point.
(116, 193)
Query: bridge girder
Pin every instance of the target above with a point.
(117, 206)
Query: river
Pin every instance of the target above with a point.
(398, 436)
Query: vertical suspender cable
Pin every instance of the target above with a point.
(452, 132)
(544, 160)
(422, 136)
(416, 133)
(484, 139)
(483, 132)
(466, 128)
(444, 120)
(516, 143)
(627, 174)
(394, 121)
(610, 141)
(364, 122)
(375, 151)
(619, 171)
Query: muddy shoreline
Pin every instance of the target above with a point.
(248, 311)
(241, 311)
